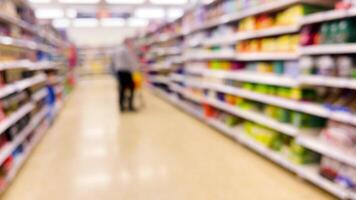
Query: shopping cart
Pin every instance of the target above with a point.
(139, 98)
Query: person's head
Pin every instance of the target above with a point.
(128, 42)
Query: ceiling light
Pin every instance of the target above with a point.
(125, 1)
(175, 13)
(112, 22)
(79, 1)
(61, 23)
(136, 22)
(71, 13)
(150, 13)
(39, 1)
(49, 13)
(85, 22)
(169, 2)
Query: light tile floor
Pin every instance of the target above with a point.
(160, 153)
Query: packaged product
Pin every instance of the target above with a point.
(301, 155)
(341, 136)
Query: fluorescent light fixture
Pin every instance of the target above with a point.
(112, 22)
(125, 1)
(85, 22)
(150, 13)
(175, 13)
(61, 23)
(71, 13)
(50, 13)
(79, 1)
(39, 1)
(169, 2)
(137, 22)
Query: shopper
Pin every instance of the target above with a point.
(125, 63)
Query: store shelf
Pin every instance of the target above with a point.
(26, 44)
(268, 99)
(263, 8)
(159, 79)
(316, 144)
(10, 147)
(329, 81)
(309, 173)
(158, 67)
(328, 49)
(16, 116)
(229, 55)
(206, 55)
(246, 76)
(177, 77)
(231, 132)
(19, 162)
(43, 65)
(167, 51)
(256, 117)
(40, 94)
(328, 16)
(273, 56)
(26, 83)
(246, 35)
(310, 108)
(192, 96)
(29, 28)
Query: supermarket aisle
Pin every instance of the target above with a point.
(92, 153)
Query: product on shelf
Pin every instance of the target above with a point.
(342, 66)
(341, 136)
(285, 43)
(334, 32)
(338, 172)
(301, 155)
(268, 137)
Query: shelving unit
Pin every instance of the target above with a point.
(202, 82)
(33, 62)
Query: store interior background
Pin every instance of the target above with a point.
(97, 27)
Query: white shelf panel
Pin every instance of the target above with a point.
(222, 127)
(274, 56)
(40, 94)
(159, 79)
(328, 16)
(206, 55)
(316, 144)
(267, 56)
(23, 84)
(178, 77)
(328, 49)
(13, 118)
(192, 96)
(247, 76)
(27, 44)
(246, 35)
(256, 117)
(328, 81)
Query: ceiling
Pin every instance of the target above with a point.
(93, 13)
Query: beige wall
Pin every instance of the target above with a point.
(99, 36)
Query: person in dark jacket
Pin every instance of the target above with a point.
(125, 63)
